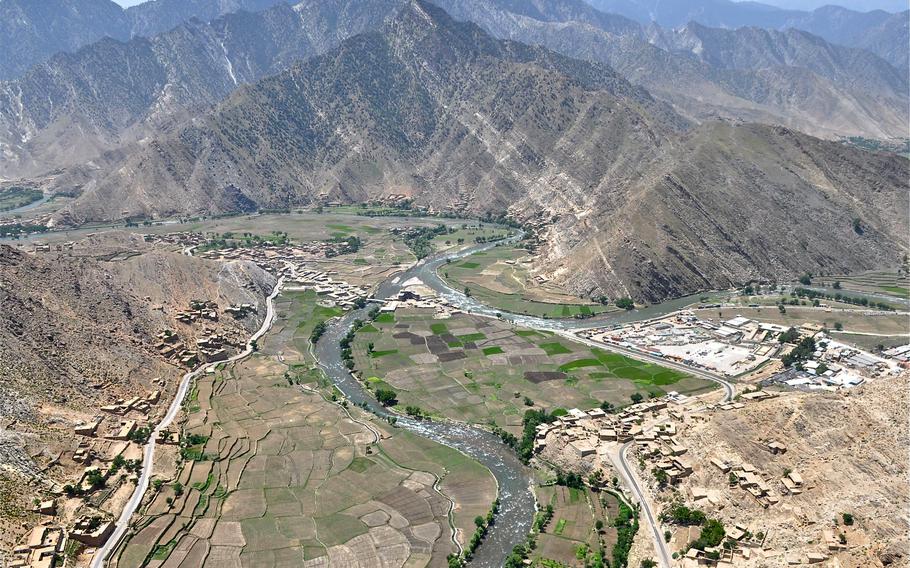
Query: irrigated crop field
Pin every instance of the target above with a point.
(500, 277)
(277, 475)
(891, 282)
(478, 369)
(571, 535)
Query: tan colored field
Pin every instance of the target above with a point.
(502, 277)
(572, 526)
(852, 320)
(276, 475)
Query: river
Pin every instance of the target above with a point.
(515, 480)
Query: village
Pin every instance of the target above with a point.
(107, 451)
(595, 442)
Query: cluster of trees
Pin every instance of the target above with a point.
(346, 354)
(624, 303)
(419, 239)
(140, 435)
(416, 412)
(385, 396)
(482, 526)
(531, 420)
(318, 330)
(803, 350)
(347, 245)
(838, 297)
(712, 531)
(571, 479)
(16, 230)
(626, 523)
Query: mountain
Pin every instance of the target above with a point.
(31, 31)
(885, 34)
(634, 201)
(109, 94)
(790, 78)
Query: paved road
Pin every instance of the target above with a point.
(149, 453)
(619, 458)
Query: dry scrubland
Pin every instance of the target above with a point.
(850, 449)
(478, 369)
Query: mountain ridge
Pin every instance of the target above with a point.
(462, 122)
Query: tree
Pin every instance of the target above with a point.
(667, 536)
(805, 279)
(789, 336)
(848, 519)
(648, 563)
(858, 226)
(479, 521)
(836, 285)
(625, 303)
(661, 476)
(386, 397)
(467, 291)
(598, 525)
(838, 326)
(636, 397)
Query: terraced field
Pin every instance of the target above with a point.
(275, 474)
(571, 536)
(500, 278)
(478, 369)
(890, 282)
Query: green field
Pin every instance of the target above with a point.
(890, 282)
(498, 278)
(572, 526)
(16, 197)
(477, 369)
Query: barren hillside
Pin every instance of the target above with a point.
(78, 330)
(850, 448)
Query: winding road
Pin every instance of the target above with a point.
(122, 524)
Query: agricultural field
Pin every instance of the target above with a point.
(16, 197)
(571, 535)
(478, 370)
(889, 282)
(275, 474)
(500, 277)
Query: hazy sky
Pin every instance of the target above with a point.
(862, 5)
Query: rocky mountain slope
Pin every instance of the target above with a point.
(795, 79)
(71, 320)
(885, 34)
(32, 31)
(442, 111)
(74, 107)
